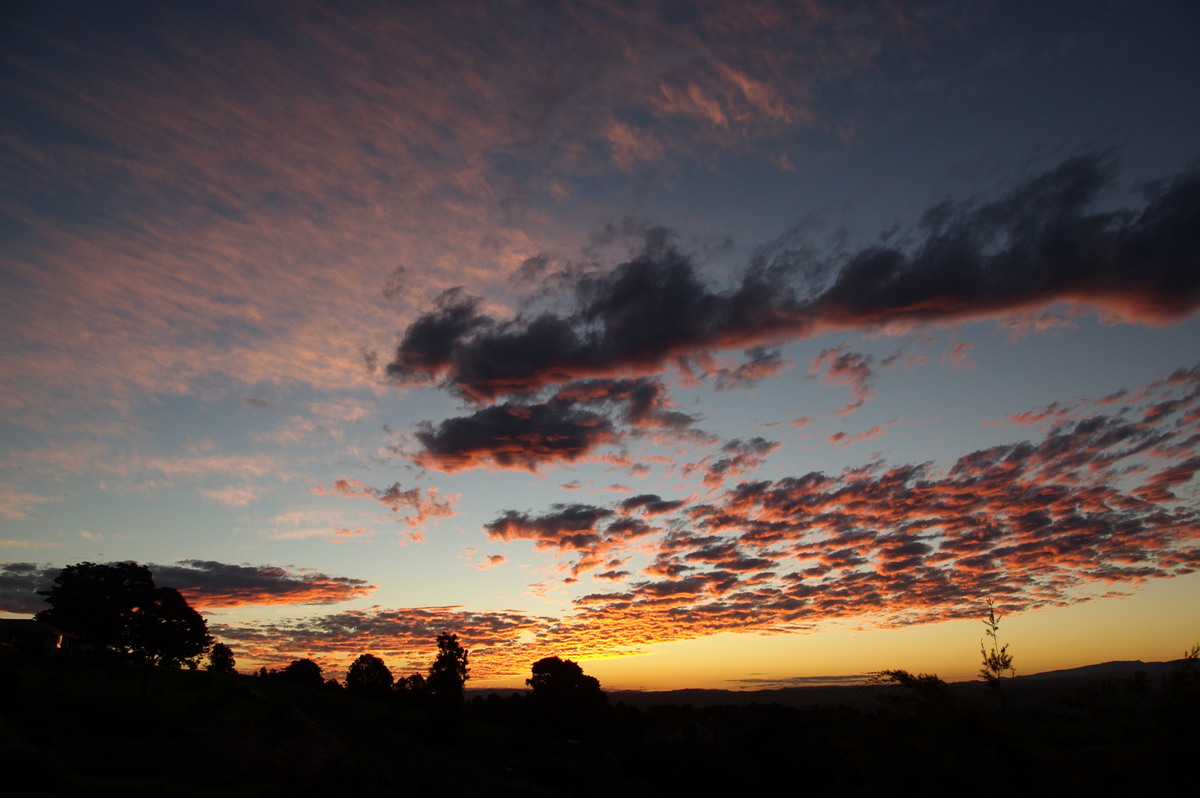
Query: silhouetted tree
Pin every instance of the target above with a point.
(564, 698)
(412, 690)
(997, 660)
(220, 659)
(303, 672)
(922, 691)
(96, 603)
(167, 631)
(557, 679)
(369, 676)
(413, 684)
(450, 669)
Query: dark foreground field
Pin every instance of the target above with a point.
(80, 726)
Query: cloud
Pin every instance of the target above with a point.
(741, 457)
(649, 504)
(208, 585)
(424, 503)
(342, 535)
(1040, 244)
(1030, 524)
(492, 561)
(580, 418)
(232, 496)
(513, 436)
(958, 357)
(16, 504)
(405, 638)
(760, 363)
(19, 586)
(585, 531)
(847, 439)
(850, 369)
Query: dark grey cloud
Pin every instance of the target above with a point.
(206, 583)
(19, 586)
(650, 504)
(582, 416)
(511, 435)
(1041, 243)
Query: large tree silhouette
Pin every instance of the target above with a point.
(368, 675)
(116, 607)
(96, 603)
(167, 631)
(564, 699)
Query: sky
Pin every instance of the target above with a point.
(708, 344)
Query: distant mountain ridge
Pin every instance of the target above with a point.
(1116, 668)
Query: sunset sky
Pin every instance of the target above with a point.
(709, 344)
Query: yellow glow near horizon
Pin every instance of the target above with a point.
(1158, 623)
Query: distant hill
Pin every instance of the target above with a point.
(1105, 670)
(1032, 687)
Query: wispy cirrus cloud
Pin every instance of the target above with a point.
(114, 162)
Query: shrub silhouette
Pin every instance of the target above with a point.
(304, 672)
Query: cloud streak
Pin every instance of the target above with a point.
(204, 583)
(1040, 244)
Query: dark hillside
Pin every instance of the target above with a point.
(80, 726)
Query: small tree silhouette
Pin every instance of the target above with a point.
(450, 669)
(997, 660)
(220, 659)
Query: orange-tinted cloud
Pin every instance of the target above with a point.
(1028, 524)
(209, 585)
(850, 369)
(204, 583)
(423, 503)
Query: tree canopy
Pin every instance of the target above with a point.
(220, 659)
(303, 672)
(565, 700)
(450, 669)
(117, 607)
(561, 678)
(368, 675)
(96, 603)
(167, 631)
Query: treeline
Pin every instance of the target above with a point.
(562, 699)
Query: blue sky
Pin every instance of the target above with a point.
(662, 336)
